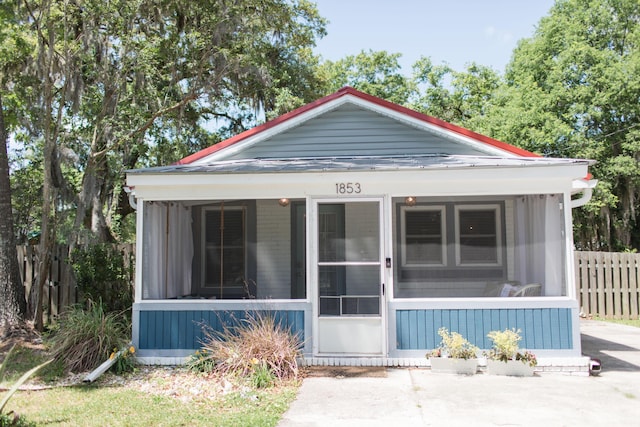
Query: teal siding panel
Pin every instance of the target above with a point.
(143, 338)
(546, 329)
(184, 329)
(540, 328)
(566, 340)
(413, 328)
(431, 337)
(402, 329)
(421, 329)
(528, 339)
(537, 329)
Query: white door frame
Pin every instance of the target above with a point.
(364, 324)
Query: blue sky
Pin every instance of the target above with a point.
(457, 32)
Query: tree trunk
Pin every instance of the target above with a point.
(13, 305)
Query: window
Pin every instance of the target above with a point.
(478, 235)
(224, 263)
(451, 241)
(424, 233)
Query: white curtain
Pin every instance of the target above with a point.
(539, 257)
(168, 250)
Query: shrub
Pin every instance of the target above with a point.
(256, 340)
(101, 275)
(454, 345)
(505, 347)
(85, 338)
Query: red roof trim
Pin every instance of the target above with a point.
(369, 98)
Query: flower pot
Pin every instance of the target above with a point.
(513, 368)
(450, 365)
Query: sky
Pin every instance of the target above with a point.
(456, 32)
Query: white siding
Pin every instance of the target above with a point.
(273, 255)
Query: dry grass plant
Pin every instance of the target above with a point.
(85, 338)
(258, 340)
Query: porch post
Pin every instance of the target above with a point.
(139, 250)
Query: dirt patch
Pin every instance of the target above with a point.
(347, 371)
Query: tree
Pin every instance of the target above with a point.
(12, 300)
(124, 84)
(573, 90)
(460, 97)
(376, 73)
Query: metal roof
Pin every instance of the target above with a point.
(343, 164)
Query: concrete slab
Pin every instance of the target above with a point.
(418, 397)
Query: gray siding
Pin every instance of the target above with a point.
(351, 130)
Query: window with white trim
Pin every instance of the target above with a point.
(478, 235)
(423, 231)
(445, 242)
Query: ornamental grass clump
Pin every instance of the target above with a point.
(454, 345)
(256, 349)
(86, 338)
(505, 347)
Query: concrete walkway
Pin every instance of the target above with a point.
(416, 397)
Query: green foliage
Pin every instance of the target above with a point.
(505, 347)
(85, 338)
(454, 345)
(125, 360)
(257, 340)
(261, 376)
(15, 420)
(101, 275)
(201, 361)
(376, 73)
(572, 91)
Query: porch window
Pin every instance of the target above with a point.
(224, 253)
(424, 231)
(478, 235)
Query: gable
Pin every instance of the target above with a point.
(351, 130)
(352, 123)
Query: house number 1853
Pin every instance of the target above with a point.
(348, 188)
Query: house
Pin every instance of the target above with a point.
(364, 227)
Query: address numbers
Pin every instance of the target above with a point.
(348, 188)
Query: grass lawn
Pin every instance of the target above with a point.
(122, 401)
(94, 405)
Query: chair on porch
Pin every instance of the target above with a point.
(530, 290)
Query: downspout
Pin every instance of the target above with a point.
(584, 186)
(132, 197)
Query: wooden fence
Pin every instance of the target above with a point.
(608, 284)
(60, 289)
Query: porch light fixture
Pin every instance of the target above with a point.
(410, 200)
(283, 202)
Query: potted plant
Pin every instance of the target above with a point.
(455, 355)
(506, 358)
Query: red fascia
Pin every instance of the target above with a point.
(370, 98)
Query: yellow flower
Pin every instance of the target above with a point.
(132, 349)
(255, 361)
